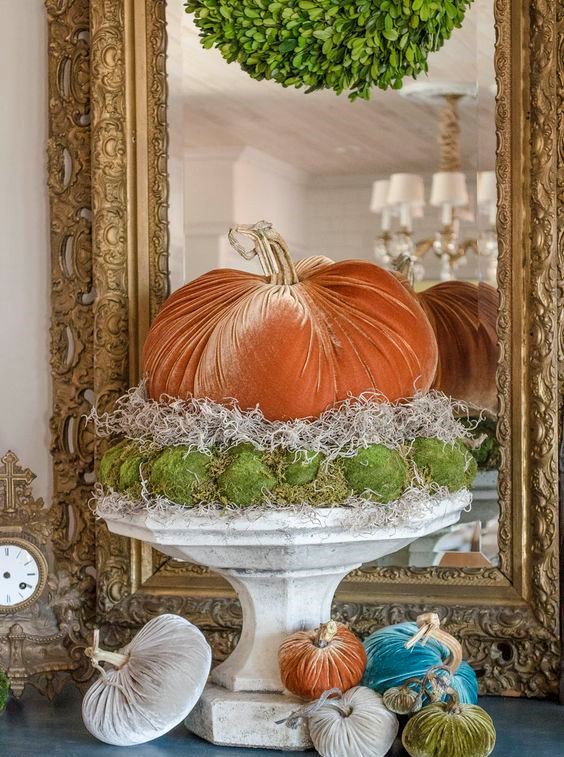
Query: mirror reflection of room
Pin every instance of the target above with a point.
(405, 179)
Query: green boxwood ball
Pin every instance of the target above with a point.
(245, 479)
(344, 46)
(449, 465)
(176, 471)
(109, 468)
(300, 467)
(4, 691)
(379, 469)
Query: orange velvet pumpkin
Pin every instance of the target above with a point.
(463, 316)
(330, 657)
(293, 341)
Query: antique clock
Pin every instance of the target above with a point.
(23, 573)
(35, 599)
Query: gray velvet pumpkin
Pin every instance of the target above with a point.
(153, 684)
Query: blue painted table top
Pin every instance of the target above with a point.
(36, 727)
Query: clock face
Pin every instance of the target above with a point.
(23, 572)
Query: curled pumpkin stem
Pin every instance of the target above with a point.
(429, 625)
(436, 685)
(453, 701)
(98, 655)
(304, 712)
(326, 634)
(270, 248)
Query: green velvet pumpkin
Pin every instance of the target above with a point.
(449, 729)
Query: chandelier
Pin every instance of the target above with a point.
(400, 200)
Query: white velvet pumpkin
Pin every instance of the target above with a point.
(156, 681)
(357, 724)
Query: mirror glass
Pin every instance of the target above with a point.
(406, 179)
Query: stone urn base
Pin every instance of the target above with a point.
(285, 567)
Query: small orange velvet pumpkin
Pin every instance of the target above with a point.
(463, 316)
(293, 341)
(330, 657)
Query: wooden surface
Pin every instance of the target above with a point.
(35, 727)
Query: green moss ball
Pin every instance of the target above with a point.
(176, 472)
(129, 472)
(109, 468)
(4, 691)
(378, 469)
(243, 447)
(300, 467)
(449, 465)
(245, 479)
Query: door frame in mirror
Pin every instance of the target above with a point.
(507, 618)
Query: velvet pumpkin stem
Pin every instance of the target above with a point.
(344, 709)
(270, 248)
(429, 625)
(453, 702)
(325, 634)
(98, 655)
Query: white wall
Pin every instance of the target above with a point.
(339, 222)
(24, 229)
(317, 215)
(176, 129)
(229, 186)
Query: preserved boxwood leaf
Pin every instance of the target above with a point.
(364, 51)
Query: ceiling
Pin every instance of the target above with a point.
(322, 133)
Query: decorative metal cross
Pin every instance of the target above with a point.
(11, 474)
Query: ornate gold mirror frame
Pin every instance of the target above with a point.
(507, 618)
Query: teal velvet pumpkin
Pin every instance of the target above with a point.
(391, 664)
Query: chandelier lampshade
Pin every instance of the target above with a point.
(379, 198)
(449, 188)
(406, 189)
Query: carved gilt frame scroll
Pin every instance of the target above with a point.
(49, 660)
(506, 618)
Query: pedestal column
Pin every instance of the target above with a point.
(245, 698)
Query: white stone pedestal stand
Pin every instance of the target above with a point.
(285, 568)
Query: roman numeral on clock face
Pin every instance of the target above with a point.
(19, 575)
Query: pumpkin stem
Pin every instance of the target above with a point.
(453, 702)
(344, 709)
(304, 712)
(270, 248)
(429, 628)
(325, 634)
(98, 655)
